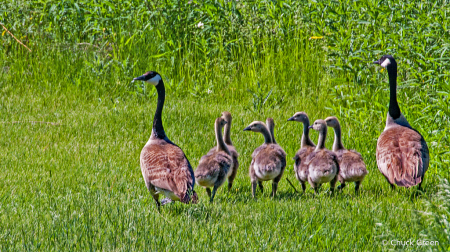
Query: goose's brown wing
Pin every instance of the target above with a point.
(164, 165)
(402, 156)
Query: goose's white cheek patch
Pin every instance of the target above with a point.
(155, 80)
(385, 63)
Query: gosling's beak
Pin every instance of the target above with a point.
(376, 62)
(310, 127)
(247, 128)
(291, 119)
(142, 77)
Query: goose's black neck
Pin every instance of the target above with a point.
(158, 129)
(394, 109)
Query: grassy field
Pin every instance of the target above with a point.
(76, 184)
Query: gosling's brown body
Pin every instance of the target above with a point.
(214, 167)
(351, 168)
(268, 160)
(232, 171)
(301, 169)
(351, 164)
(227, 139)
(323, 165)
(306, 148)
(323, 168)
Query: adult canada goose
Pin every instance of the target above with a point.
(351, 165)
(268, 160)
(227, 139)
(214, 167)
(402, 153)
(306, 148)
(323, 165)
(165, 168)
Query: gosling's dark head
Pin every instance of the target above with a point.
(332, 121)
(386, 61)
(227, 116)
(151, 77)
(300, 117)
(256, 126)
(319, 125)
(221, 121)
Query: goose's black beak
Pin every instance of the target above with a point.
(247, 128)
(376, 62)
(225, 122)
(142, 78)
(310, 127)
(291, 119)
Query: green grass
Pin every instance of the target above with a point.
(77, 185)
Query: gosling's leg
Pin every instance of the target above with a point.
(208, 191)
(261, 186)
(233, 174)
(274, 189)
(303, 186)
(357, 184)
(333, 184)
(213, 194)
(313, 185)
(253, 189)
(341, 180)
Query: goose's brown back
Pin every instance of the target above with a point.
(164, 165)
(402, 156)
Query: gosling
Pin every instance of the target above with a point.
(268, 160)
(214, 167)
(351, 165)
(323, 165)
(306, 147)
(227, 139)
